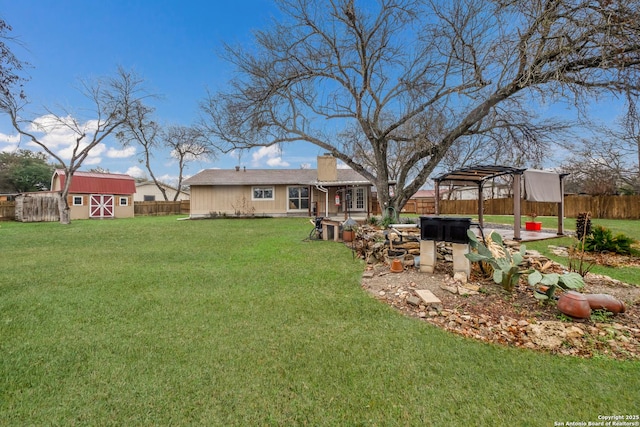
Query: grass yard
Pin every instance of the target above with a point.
(629, 227)
(154, 321)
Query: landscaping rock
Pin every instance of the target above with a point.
(511, 318)
(414, 301)
(460, 277)
(494, 316)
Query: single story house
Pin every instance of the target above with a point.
(97, 195)
(327, 191)
(148, 191)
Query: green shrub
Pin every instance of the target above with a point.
(386, 221)
(602, 239)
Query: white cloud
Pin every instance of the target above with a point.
(94, 154)
(271, 151)
(113, 153)
(236, 154)
(170, 179)
(136, 172)
(11, 139)
(10, 148)
(60, 134)
(277, 161)
(56, 131)
(271, 155)
(92, 161)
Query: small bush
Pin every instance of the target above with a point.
(386, 221)
(603, 240)
(373, 221)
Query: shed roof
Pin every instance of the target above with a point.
(97, 183)
(272, 177)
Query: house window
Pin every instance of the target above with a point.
(124, 201)
(298, 198)
(262, 193)
(77, 200)
(149, 198)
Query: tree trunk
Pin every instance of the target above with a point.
(64, 209)
(389, 205)
(63, 202)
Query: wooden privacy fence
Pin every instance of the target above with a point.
(609, 207)
(37, 207)
(421, 206)
(161, 207)
(7, 211)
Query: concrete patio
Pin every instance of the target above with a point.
(525, 236)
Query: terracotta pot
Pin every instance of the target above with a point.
(397, 266)
(605, 302)
(574, 304)
(347, 235)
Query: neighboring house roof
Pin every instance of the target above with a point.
(420, 194)
(153, 184)
(272, 177)
(96, 183)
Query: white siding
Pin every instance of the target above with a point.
(150, 189)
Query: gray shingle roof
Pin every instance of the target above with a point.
(271, 177)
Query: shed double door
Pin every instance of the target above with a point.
(101, 206)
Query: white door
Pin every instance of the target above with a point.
(356, 199)
(101, 206)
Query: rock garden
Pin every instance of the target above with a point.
(526, 315)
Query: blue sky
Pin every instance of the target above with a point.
(173, 45)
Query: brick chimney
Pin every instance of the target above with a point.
(327, 168)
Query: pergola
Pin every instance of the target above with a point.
(478, 176)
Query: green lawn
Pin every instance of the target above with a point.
(630, 228)
(154, 321)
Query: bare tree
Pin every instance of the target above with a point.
(594, 173)
(607, 161)
(601, 165)
(142, 129)
(187, 144)
(631, 138)
(114, 100)
(421, 74)
(11, 68)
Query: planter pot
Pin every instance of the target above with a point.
(574, 304)
(396, 253)
(348, 235)
(397, 266)
(605, 302)
(533, 226)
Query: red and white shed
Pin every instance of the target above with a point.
(97, 195)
